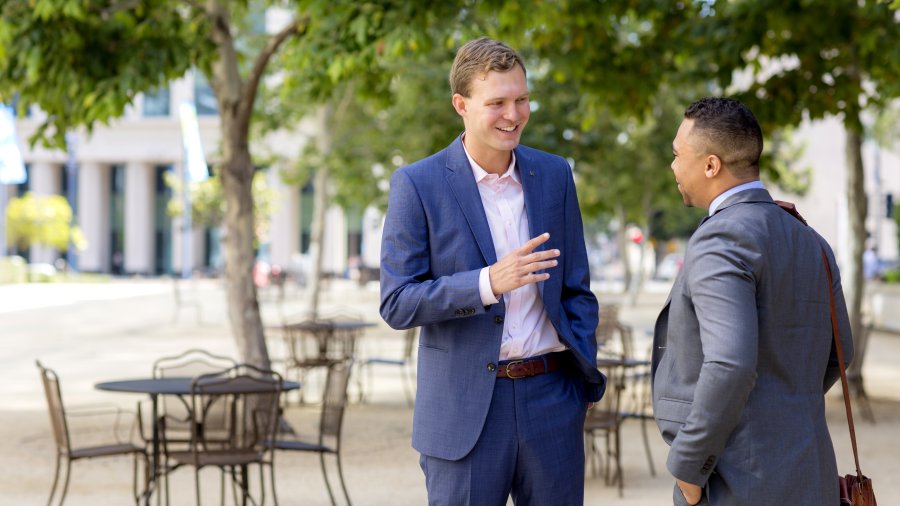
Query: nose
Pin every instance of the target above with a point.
(511, 112)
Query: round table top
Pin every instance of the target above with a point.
(182, 386)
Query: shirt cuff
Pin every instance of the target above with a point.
(484, 287)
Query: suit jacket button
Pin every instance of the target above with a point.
(498, 319)
(492, 367)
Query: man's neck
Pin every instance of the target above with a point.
(493, 162)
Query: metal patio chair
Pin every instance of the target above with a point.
(331, 422)
(404, 362)
(251, 399)
(67, 452)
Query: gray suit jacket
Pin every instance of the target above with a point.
(743, 353)
(436, 241)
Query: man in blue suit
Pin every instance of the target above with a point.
(483, 249)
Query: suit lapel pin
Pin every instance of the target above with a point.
(530, 172)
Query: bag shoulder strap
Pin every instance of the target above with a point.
(836, 332)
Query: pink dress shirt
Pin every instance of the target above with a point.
(527, 331)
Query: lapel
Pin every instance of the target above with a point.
(462, 183)
(532, 182)
(531, 178)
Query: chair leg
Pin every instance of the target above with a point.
(137, 497)
(341, 476)
(272, 483)
(619, 476)
(197, 485)
(55, 480)
(65, 488)
(647, 446)
(325, 475)
(407, 384)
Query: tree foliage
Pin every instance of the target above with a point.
(42, 220)
(208, 203)
(83, 62)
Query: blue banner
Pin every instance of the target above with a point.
(194, 159)
(12, 170)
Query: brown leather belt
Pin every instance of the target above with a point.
(528, 367)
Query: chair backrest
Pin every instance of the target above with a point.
(176, 411)
(251, 398)
(409, 344)
(333, 403)
(191, 363)
(626, 335)
(609, 406)
(58, 422)
(608, 321)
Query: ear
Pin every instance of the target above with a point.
(459, 103)
(713, 166)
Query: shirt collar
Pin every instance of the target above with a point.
(752, 185)
(480, 173)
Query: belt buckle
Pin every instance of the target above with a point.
(516, 362)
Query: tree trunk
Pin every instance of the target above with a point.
(852, 278)
(235, 105)
(320, 209)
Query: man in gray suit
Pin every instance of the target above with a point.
(483, 249)
(743, 349)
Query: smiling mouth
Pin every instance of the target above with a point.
(509, 129)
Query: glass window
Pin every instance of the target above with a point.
(156, 102)
(162, 223)
(204, 98)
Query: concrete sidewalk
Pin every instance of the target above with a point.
(92, 333)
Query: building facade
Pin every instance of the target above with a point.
(115, 181)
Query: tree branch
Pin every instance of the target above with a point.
(295, 27)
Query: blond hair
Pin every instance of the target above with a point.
(478, 57)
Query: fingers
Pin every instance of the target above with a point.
(539, 266)
(529, 246)
(520, 266)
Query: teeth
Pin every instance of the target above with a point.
(508, 129)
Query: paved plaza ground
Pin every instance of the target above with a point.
(96, 332)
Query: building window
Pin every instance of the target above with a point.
(306, 216)
(162, 223)
(117, 218)
(23, 188)
(156, 102)
(204, 98)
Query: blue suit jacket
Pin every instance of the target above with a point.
(436, 241)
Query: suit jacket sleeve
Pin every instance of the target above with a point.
(410, 294)
(723, 294)
(577, 300)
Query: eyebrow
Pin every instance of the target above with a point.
(504, 98)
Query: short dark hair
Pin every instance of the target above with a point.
(478, 57)
(730, 131)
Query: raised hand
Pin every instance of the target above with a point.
(518, 268)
